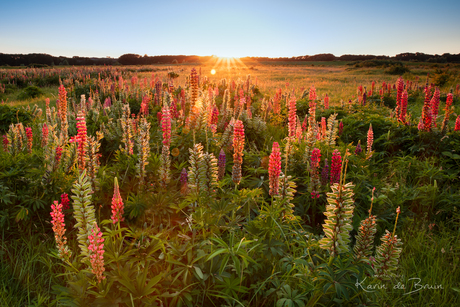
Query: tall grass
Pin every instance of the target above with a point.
(27, 272)
(429, 268)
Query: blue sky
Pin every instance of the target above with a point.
(229, 28)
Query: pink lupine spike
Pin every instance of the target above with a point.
(96, 252)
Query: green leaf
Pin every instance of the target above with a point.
(198, 272)
(218, 252)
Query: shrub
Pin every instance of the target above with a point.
(396, 69)
(10, 115)
(30, 92)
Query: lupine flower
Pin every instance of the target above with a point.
(214, 119)
(183, 176)
(30, 139)
(434, 106)
(370, 139)
(336, 166)
(400, 88)
(312, 94)
(96, 249)
(82, 140)
(58, 154)
(65, 201)
(292, 117)
(323, 128)
(173, 108)
(166, 126)
(425, 120)
(388, 253)
(402, 114)
(107, 102)
(159, 116)
(238, 146)
(158, 86)
(145, 105)
(314, 177)
(5, 143)
(457, 124)
(62, 103)
(305, 123)
(315, 157)
(194, 87)
(59, 230)
(221, 164)
(183, 180)
(340, 128)
(298, 133)
(117, 204)
(339, 217)
(274, 169)
(326, 102)
(447, 111)
(365, 238)
(358, 149)
(44, 135)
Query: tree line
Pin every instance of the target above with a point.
(41, 59)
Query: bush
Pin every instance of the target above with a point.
(30, 92)
(397, 69)
(10, 115)
(440, 77)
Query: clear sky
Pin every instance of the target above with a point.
(286, 28)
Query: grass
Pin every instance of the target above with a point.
(13, 99)
(27, 273)
(429, 268)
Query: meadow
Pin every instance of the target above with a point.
(230, 183)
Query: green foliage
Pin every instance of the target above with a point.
(12, 115)
(30, 92)
(441, 77)
(397, 69)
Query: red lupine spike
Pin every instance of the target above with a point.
(336, 166)
(274, 169)
(29, 139)
(403, 113)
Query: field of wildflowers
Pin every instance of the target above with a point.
(257, 186)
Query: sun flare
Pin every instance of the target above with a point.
(213, 71)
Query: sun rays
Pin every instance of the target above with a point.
(225, 64)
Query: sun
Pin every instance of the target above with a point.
(213, 71)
